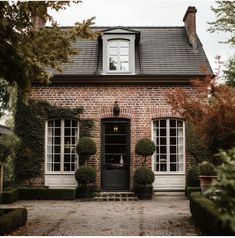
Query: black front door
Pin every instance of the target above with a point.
(115, 155)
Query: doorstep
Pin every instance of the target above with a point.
(115, 196)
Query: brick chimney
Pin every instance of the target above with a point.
(38, 23)
(190, 25)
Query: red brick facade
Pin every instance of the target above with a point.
(139, 103)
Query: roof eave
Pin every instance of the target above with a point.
(126, 79)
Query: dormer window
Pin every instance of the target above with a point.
(119, 51)
(118, 55)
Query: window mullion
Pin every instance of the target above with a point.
(168, 144)
(62, 147)
(118, 56)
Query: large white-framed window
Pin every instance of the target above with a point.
(118, 55)
(169, 138)
(61, 139)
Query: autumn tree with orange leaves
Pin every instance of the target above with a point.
(212, 112)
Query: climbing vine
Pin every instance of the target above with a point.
(30, 128)
(194, 145)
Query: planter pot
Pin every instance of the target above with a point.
(143, 192)
(205, 182)
(85, 191)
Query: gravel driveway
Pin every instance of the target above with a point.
(163, 215)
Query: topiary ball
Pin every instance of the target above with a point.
(86, 146)
(145, 147)
(143, 175)
(85, 175)
(192, 177)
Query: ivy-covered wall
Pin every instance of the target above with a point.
(195, 147)
(30, 128)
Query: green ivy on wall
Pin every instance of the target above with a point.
(30, 128)
(194, 145)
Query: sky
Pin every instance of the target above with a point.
(150, 13)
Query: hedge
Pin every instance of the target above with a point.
(12, 219)
(190, 190)
(46, 194)
(10, 196)
(207, 216)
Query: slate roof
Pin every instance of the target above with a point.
(161, 51)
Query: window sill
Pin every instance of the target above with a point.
(168, 173)
(117, 73)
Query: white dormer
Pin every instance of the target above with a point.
(119, 51)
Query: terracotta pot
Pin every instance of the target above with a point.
(205, 182)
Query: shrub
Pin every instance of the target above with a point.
(143, 175)
(224, 188)
(85, 175)
(85, 148)
(145, 147)
(207, 216)
(192, 177)
(207, 169)
(46, 194)
(12, 219)
(10, 196)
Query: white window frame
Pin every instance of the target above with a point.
(125, 37)
(168, 172)
(118, 41)
(62, 126)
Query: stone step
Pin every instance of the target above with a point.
(115, 196)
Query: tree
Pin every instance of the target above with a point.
(224, 13)
(26, 53)
(212, 112)
(8, 144)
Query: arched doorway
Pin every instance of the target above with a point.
(115, 154)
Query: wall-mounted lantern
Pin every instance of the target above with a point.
(116, 109)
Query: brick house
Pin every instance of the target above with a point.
(129, 69)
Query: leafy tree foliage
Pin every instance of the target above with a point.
(229, 72)
(224, 13)
(213, 117)
(26, 53)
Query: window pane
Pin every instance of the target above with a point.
(173, 167)
(162, 123)
(113, 63)
(112, 43)
(56, 167)
(172, 123)
(113, 51)
(124, 63)
(179, 123)
(124, 51)
(163, 140)
(162, 132)
(57, 123)
(124, 43)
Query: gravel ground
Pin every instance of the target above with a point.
(163, 215)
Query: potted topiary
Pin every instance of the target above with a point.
(85, 175)
(145, 147)
(85, 148)
(143, 179)
(207, 173)
(143, 176)
(86, 178)
(192, 180)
